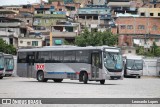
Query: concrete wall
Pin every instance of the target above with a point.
(147, 11)
(27, 42)
(150, 67)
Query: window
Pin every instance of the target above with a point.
(142, 14)
(28, 43)
(123, 26)
(45, 57)
(46, 21)
(158, 14)
(154, 27)
(27, 21)
(51, 12)
(156, 40)
(34, 43)
(82, 56)
(130, 27)
(22, 57)
(21, 41)
(129, 51)
(40, 12)
(69, 56)
(151, 14)
(58, 42)
(57, 56)
(141, 27)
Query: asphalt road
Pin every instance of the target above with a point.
(16, 87)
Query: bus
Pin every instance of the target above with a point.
(6, 65)
(9, 64)
(133, 66)
(1, 65)
(70, 62)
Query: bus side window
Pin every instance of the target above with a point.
(82, 56)
(22, 57)
(69, 56)
(45, 57)
(57, 57)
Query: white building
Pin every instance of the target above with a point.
(30, 42)
(10, 38)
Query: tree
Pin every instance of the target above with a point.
(154, 48)
(157, 52)
(96, 38)
(4, 47)
(50, 1)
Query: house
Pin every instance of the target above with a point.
(13, 25)
(149, 12)
(26, 42)
(94, 17)
(141, 31)
(46, 15)
(64, 31)
(9, 37)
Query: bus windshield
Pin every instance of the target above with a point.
(1, 62)
(113, 60)
(134, 64)
(9, 64)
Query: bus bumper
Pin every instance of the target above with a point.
(8, 73)
(109, 77)
(134, 73)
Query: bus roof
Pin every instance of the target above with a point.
(51, 48)
(4, 54)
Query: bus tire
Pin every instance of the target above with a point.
(85, 78)
(57, 80)
(102, 81)
(40, 77)
(1, 77)
(139, 76)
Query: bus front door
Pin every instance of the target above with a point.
(30, 64)
(95, 66)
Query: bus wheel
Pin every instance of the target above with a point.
(40, 77)
(85, 78)
(139, 76)
(102, 81)
(1, 77)
(57, 80)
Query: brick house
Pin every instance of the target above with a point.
(137, 30)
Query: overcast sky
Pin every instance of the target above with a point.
(18, 2)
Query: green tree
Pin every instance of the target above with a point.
(4, 47)
(96, 38)
(154, 48)
(50, 1)
(157, 52)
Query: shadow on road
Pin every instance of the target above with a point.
(49, 82)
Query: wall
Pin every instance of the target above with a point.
(147, 12)
(148, 23)
(150, 67)
(25, 40)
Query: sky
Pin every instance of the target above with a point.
(18, 2)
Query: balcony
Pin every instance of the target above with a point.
(103, 17)
(94, 11)
(64, 34)
(10, 24)
(50, 16)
